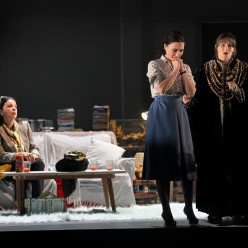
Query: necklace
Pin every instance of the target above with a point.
(218, 74)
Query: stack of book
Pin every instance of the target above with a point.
(47, 203)
(66, 119)
(101, 117)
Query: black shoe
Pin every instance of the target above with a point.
(213, 219)
(169, 222)
(190, 217)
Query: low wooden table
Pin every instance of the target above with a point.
(104, 174)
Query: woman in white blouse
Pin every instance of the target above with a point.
(169, 153)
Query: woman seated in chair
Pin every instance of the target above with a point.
(13, 134)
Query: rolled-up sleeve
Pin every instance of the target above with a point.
(189, 73)
(154, 74)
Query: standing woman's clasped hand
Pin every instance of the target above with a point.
(181, 65)
(176, 63)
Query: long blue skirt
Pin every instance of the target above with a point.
(169, 153)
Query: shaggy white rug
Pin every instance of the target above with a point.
(137, 212)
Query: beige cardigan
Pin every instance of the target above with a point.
(7, 148)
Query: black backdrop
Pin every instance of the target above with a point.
(59, 55)
(72, 53)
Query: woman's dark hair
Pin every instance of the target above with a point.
(172, 36)
(3, 100)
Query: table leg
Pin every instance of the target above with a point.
(20, 196)
(111, 193)
(105, 191)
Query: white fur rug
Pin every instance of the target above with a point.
(137, 212)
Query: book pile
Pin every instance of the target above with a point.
(66, 119)
(101, 117)
(46, 203)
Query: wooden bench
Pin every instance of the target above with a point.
(104, 174)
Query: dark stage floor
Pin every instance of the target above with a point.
(125, 233)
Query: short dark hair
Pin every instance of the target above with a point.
(172, 36)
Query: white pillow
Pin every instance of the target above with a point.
(100, 150)
(59, 144)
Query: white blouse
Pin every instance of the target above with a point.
(160, 69)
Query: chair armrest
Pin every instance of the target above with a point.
(126, 164)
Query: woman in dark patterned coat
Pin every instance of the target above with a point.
(219, 130)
